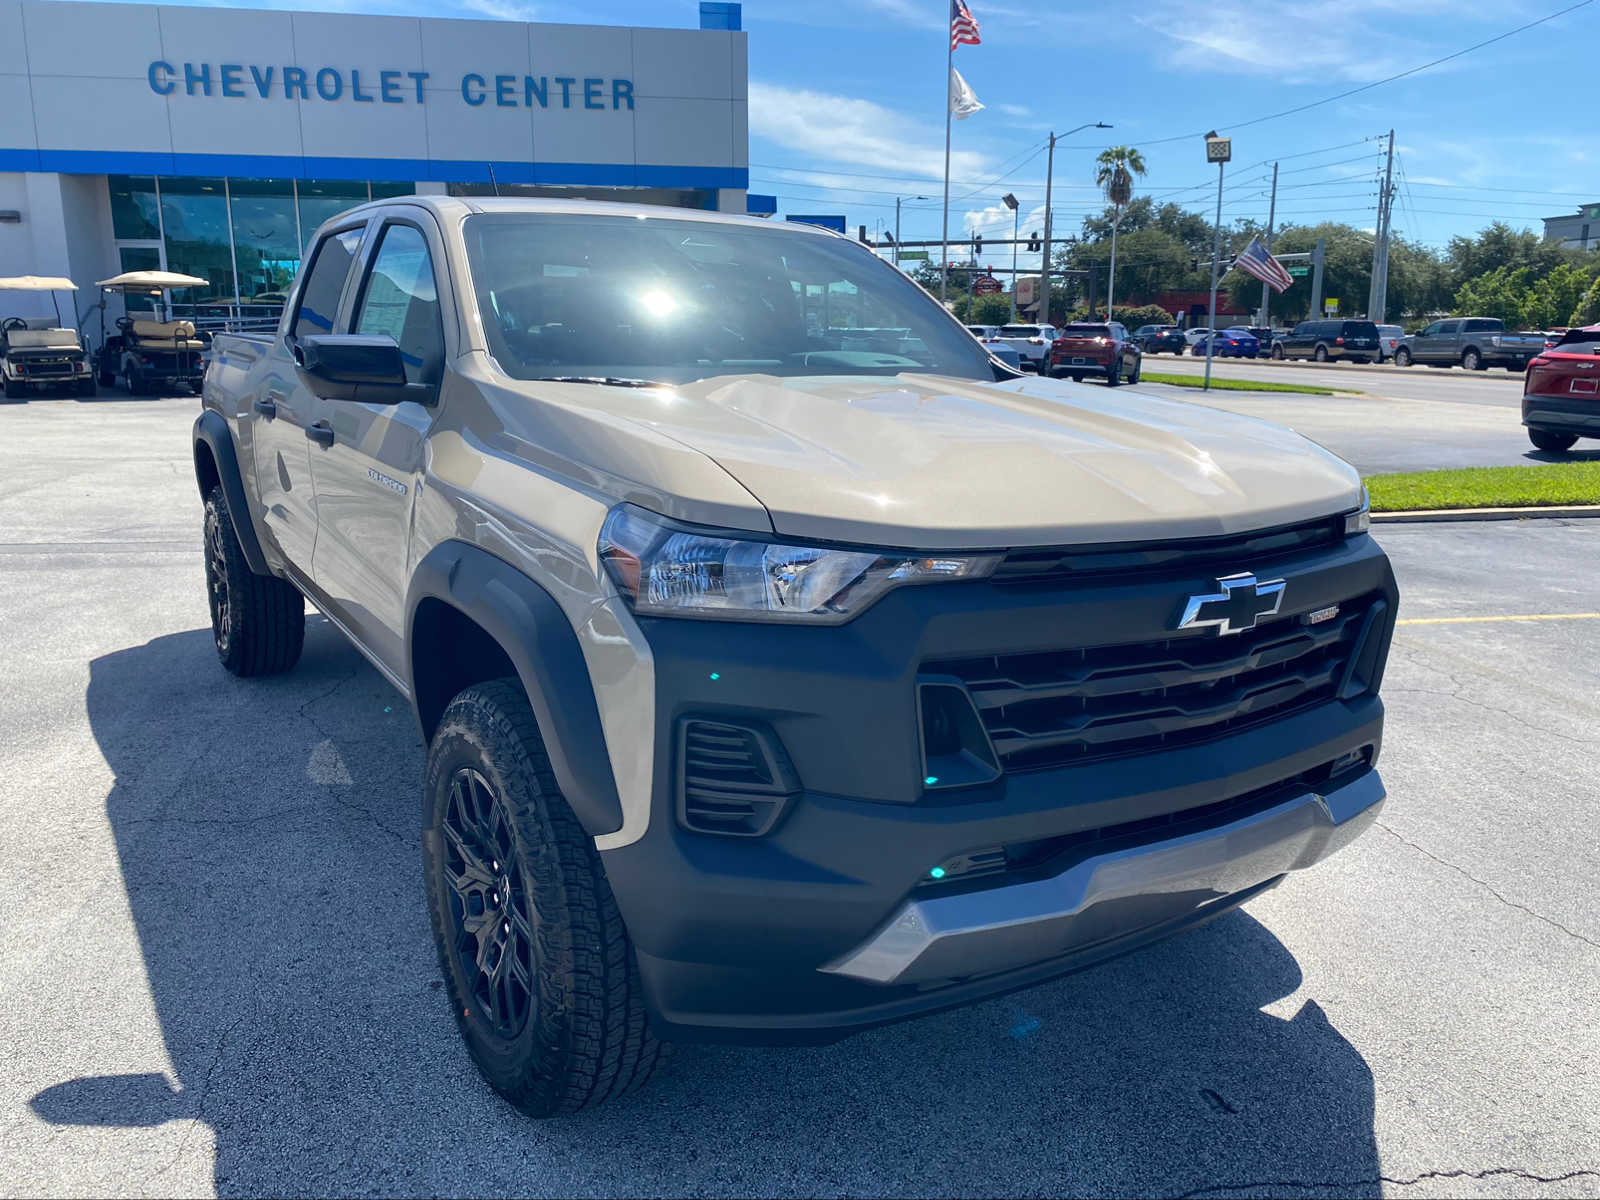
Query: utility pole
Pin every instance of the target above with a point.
(1218, 150)
(1044, 262)
(1015, 206)
(1380, 258)
(1272, 216)
(1317, 257)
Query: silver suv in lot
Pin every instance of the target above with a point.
(773, 687)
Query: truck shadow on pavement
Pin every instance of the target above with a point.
(267, 837)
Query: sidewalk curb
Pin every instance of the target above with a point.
(1566, 512)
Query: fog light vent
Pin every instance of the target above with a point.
(732, 779)
(956, 751)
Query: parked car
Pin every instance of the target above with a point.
(1561, 391)
(1472, 342)
(1264, 338)
(39, 355)
(1153, 339)
(1389, 339)
(1031, 342)
(1329, 341)
(1092, 348)
(1191, 336)
(1228, 343)
(989, 336)
(771, 692)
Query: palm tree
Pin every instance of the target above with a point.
(1115, 169)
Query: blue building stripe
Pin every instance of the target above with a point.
(400, 170)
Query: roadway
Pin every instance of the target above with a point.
(1408, 419)
(218, 975)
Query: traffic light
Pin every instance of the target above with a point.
(1033, 243)
(977, 244)
(862, 234)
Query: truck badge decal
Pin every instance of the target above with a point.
(1237, 604)
(394, 485)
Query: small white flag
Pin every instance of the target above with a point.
(963, 100)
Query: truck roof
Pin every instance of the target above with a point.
(454, 207)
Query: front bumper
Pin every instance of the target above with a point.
(750, 938)
(1002, 928)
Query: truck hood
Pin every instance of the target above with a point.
(938, 463)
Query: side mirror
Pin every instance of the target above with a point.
(355, 366)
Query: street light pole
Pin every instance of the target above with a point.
(1011, 202)
(1044, 261)
(897, 226)
(1218, 150)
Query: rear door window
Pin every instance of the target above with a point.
(319, 299)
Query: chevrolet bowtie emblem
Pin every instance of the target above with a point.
(1237, 604)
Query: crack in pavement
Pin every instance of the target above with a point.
(1465, 874)
(1371, 1180)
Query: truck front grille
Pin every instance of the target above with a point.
(1056, 707)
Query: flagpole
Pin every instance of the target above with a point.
(944, 247)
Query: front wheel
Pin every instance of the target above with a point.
(258, 622)
(1114, 373)
(1402, 357)
(1138, 368)
(540, 971)
(1553, 443)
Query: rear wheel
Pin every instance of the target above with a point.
(15, 389)
(1402, 357)
(1553, 443)
(1321, 354)
(1114, 373)
(1472, 360)
(539, 967)
(258, 622)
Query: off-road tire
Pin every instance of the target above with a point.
(584, 1036)
(258, 622)
(1402, 357)
(1552, 443)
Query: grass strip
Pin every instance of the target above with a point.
(1487, 487)
(1237, 385)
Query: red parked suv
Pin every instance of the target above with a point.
(1561, 391)
(1085, 349)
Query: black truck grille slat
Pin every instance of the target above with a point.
(734, 779)
(1051, 708)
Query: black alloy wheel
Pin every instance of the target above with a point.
(491, 914)
(218, 594)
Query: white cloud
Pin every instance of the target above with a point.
(501, 10)
(846, 129)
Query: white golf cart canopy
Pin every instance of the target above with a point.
(151, 282)
(40, 283)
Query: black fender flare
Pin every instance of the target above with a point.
(211, 430)
(528, 624)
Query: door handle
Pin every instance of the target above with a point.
(267, 408)
(321, 433)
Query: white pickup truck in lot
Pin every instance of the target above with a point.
(773, 689)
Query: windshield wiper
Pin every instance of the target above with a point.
(605, 380)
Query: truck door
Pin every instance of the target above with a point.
(368, 472)
(284, 408)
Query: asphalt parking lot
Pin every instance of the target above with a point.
(1412, 419)
(218, 976)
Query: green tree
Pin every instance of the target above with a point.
(1588, 310)
(1115, 170)
(1557, 295)
(1502, 292)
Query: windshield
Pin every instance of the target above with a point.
(1020, 331)
(672, 301)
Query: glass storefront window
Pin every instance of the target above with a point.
(324, 198)
(194, 217)
(385, 190)
(133, 207)
(266, 239)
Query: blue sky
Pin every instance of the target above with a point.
(846, 104)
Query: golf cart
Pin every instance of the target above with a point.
(36, 355)
(149, 355)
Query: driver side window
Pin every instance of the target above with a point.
(400, 299)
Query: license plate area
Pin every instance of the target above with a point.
(1584, 387)
(1079, 360)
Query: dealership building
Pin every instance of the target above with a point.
(213, 141)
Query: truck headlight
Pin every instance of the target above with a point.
(670, 570)
(1359, 521)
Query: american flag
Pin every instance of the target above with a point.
(963, 26)
(1256, 261)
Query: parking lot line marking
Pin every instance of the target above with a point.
(1594, 616)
